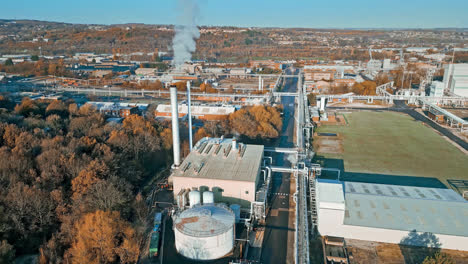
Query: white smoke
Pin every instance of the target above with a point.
(186, 33)
(292, 158)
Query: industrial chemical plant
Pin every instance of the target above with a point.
(221, 189)
(220, 184)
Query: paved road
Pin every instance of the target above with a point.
(400, 106)
(275, 243)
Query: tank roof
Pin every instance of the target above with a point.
(205, 220)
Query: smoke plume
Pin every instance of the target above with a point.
(292, 159)
(186, 32)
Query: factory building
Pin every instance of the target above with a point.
(391, 213)
(229, 169)
(326, 72)
(456, 78)
(205, 112)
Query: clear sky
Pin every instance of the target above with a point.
(262, 13)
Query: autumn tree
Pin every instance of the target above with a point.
(104, 237)
(181, 86)
(28, 107)
(57, 107)
(365, 88)
(9, 62)
(7, 252)
(439, 258)
(256, 121)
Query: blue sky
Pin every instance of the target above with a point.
(262, 13)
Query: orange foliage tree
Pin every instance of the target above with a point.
(365, 88)
(257, 121)
(104, 237)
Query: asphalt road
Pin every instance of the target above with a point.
(275, 243)
(400, 106)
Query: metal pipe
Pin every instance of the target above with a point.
(189, 106)
(175, 127)
(260, 83)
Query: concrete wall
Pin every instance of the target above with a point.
(330, 223)
(239, 192)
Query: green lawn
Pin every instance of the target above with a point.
(378, 146)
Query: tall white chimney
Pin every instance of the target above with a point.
(189, 106)
(175, 127)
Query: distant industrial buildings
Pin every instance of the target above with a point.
(392, 213)
(321, 77)
(105, 66)
(205, 112)
(122, 110)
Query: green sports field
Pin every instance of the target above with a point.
(388, 147)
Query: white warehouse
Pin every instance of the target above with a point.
(456, 78)
(390, 213)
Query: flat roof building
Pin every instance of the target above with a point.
(229, 169)
(390, 213)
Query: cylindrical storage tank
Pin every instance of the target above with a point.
(194, 198)
(236, 209)
(208, 198)
(205, 232)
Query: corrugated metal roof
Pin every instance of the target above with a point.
(214, 158)
(434, 210)
(330, 194)
(205, 220)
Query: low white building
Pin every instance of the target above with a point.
(392, 213)
(145, 71)
(437, 89)
(205, 112)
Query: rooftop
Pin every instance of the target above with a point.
(214, 158)
(205, 220)
(434, 210)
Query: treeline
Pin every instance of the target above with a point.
(364, 88)
(69, 182)
(253, 124)
(37, 68)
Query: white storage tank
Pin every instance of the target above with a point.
(236, 209)
(194, 198)
(205, 232)
(208, 198)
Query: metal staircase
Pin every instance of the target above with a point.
(313, 200)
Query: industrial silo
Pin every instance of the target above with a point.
(194, 198)
(205, 232)
(208, 198)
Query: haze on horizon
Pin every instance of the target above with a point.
(243, 13)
